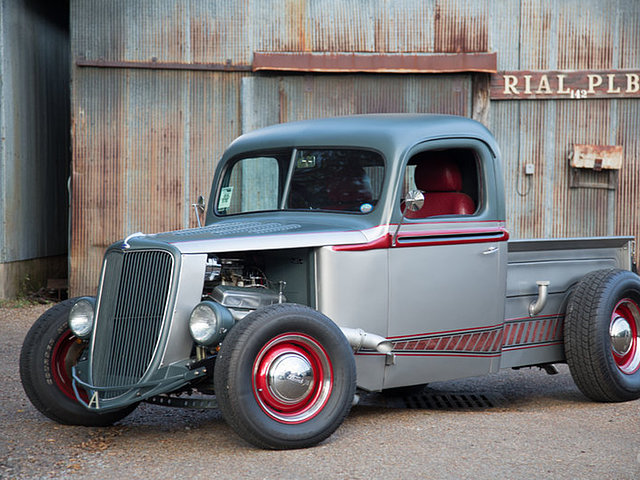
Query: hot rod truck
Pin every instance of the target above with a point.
(340, 255)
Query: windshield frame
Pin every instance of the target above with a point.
(229, 164)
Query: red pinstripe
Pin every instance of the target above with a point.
(496, 345)
(536, 331)
(521, 330)
(464, 341)
(549, 330)
(481, 342)
(557, 332)
(512, 332)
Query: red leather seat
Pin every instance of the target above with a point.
(441, 182)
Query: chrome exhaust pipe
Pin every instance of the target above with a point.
(359, 339)
(537, 306)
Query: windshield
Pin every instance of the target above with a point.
(342, 180)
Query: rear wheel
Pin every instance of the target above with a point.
(285, 377)
(602, 335)
(49, 351)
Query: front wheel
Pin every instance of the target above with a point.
(285, 377)
(49, 351)
(602, 335)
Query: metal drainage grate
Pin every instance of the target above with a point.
(449, 401)
(434, 401)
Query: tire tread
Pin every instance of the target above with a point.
(586, 346)
(224, 387)
(51, 403)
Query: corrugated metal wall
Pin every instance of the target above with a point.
(146, 141)
(34, 138)
(586, 35)
(214, 31)
(298, 97)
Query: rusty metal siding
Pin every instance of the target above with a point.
(586, 35)
(163, 31)
(461, 26)
(627, 215)
(504, 18)
(628, 193)
(538, 35)
(629, 34)
(158, 133)
(293, 98)
(145, 144)
(569, 35)
(588, 40)
(317, 97)
(580, 211)
(219, 32)
(34, 140)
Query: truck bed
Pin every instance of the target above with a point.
(562, 262)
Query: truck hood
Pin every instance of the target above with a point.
(262, 234)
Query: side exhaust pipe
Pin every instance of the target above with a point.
(537, 306)
(359, 339)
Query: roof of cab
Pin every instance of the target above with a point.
(383, 132)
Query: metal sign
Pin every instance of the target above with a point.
(596, 157)
(565, 84)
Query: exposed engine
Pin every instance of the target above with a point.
(240, 284)
(233, 271)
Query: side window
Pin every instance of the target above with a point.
(449, 180)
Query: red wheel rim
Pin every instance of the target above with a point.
(65, 354)
(624, 330)
(292, 378)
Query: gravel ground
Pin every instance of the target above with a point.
(538, 426)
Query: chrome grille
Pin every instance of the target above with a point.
(133, 299)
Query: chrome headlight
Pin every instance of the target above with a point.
(209, 322)
(81, 317)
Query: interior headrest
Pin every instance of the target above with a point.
(438, 174)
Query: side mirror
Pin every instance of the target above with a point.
(200, 204)
(199, 208)
(413, 201)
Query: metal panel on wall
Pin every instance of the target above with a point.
(293, 98)
(141, 151)
(542, 134)
(227, 33)
(152, 102)
(574, 36)
(628, 192)
(323, 96)
(139, 163)
(34, 139)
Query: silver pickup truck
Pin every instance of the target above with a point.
(362, 253)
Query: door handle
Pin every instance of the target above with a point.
(490, 250)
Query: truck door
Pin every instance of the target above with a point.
(447, 266)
